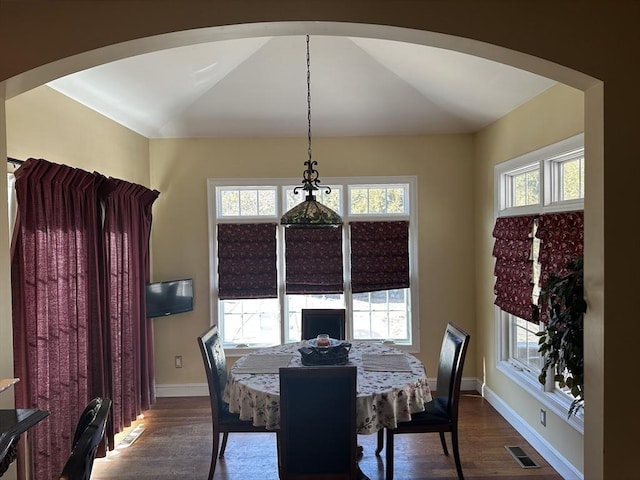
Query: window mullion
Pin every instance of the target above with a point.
(346, 268)
(283, 303)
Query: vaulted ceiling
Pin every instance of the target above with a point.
(256, 87)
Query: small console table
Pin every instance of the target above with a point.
(14, 423)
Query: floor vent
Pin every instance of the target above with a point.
(523, 459)
(131, 437)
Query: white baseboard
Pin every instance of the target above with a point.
(467, 384)
(182, 390)
(202, 390)
(544, 448)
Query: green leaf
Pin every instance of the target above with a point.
(562, 339)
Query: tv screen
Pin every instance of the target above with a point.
(169, 298)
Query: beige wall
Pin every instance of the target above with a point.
(442, 164)
(554, 115)
(42, 123)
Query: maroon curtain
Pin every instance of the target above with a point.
(129, 335)
(78, 303)
(514, 265)
(247, 261)
(314, 260)
(561, 241)
(57, 319)
(379, 256)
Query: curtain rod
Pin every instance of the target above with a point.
(15, 161)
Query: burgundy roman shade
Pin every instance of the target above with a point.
(247, 261)
(514, 265)
(561, 241)
(379, 256)
(313, 260)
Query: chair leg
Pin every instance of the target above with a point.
(214, 453)
(389, 466)
(225, 436)
(278, 455)
(444, 444)
(456, 453)
(380, 445)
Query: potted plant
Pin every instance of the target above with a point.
(562, 341)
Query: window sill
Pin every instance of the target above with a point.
(555, 402)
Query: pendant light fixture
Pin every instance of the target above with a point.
(310, 213)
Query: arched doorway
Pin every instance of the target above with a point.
(21, 83)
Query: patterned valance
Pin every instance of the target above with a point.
(514, 266)
(561, 242)
(247, 261)
(379, 256)
(313, 260)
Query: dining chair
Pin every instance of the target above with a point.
(323, 320)
(441, 414)
(222, 420)
(317, 437)
(88, 434)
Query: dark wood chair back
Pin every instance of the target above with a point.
(317, 438)
(88, 434)
(441, 414)
(215, 365)
(452, 355)
(323, 320)
(222, 420)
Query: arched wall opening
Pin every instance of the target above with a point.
(594, 268)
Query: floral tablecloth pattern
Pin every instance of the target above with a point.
(384, 398)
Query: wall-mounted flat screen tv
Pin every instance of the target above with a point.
(169, 297)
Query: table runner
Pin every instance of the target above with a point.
(385, 363)
(259, 363)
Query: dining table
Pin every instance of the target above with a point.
(391, 384)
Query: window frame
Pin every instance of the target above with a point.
(282, 184)
(258, 217)
(547, 160)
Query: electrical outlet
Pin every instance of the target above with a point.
(543, 417)
(178, 361)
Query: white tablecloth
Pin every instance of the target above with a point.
(384, 397)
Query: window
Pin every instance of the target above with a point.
(377, 315)
(522, 186)
(566, 178)
(246, 202)
(539, 183)
(378, 199)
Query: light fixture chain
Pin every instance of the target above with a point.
(309, 101)
(310, 213)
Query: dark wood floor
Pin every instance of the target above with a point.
(176, 444)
